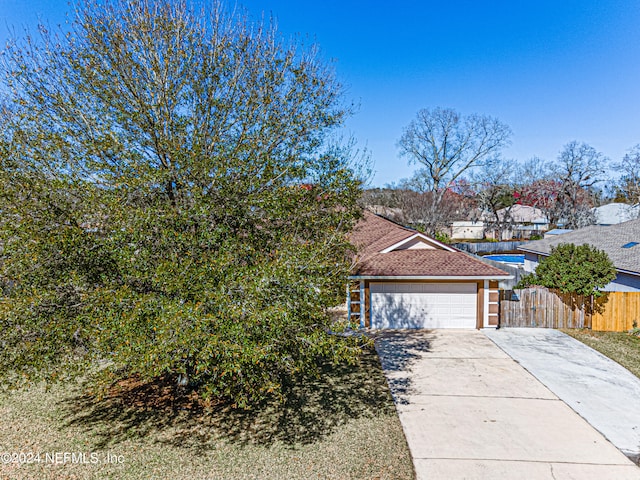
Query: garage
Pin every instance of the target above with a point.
(402, 278)
(423, 305)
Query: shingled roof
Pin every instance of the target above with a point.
(611, 239)
(375, 235)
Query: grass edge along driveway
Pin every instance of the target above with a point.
(621, 347)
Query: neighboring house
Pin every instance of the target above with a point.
(467, 230)
(523, 221)
(621, 243)
(614, 213)
(405, 279)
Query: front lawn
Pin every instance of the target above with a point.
(621, 347)
(343, 426)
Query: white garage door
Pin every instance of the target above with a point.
(423, 305)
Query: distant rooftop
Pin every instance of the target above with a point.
(557, 231)
(618, 241)
(519, 214)
(614, 213)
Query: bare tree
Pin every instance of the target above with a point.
(628, 186)
(432, 211)
(539, 188)
(446, 145)
(580, 167)
(534, 169)
(385, 201)
(495, 184)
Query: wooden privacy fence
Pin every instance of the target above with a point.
(540, 307)
(619, 311)
(488, 247)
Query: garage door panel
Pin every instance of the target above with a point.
(398, 318)
(423, 305)
(424, 287)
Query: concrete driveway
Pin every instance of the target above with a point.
(469, 411)
(599, 389)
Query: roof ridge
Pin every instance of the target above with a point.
(392, 221)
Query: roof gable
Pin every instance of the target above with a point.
(388, 249)
(418, 241)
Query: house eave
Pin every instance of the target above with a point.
(431, 277)
(627, 272)
(529, 250)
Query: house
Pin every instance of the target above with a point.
(522, 220)
(621, 242)
(405, 279)
(614, 213)
(467, 230)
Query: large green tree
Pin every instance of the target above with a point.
(580, 269)
(174, 202)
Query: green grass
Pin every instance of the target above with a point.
(621, 347)
(342, 426)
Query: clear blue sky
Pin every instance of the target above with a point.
(553, 70)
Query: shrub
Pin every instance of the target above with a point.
(582, 269)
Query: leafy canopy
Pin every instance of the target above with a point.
(580, 269)
(175, 202)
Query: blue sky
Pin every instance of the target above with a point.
(554, 71)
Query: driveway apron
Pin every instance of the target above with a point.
(469, 411)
